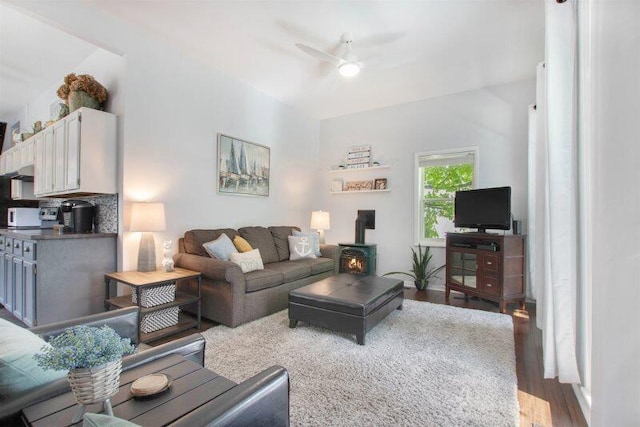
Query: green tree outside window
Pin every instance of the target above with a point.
(440, 185)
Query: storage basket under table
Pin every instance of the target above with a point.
(150, 297)
(159, 319)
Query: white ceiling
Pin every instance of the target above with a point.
(413, 49)
(29, 62)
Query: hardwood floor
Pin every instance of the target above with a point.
(542, 402)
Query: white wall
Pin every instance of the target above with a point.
(106, 67)
(494, 119)
(615, 211)
(174, 107)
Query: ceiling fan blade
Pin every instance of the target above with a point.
(319, 54)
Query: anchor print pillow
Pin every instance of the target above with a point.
(300, 247)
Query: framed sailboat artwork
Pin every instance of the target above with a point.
(243, 167)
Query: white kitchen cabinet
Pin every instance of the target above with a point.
(78, 156)
(38, 179)
(22, 190)
(59, 141)
(18, 156)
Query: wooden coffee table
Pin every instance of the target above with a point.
(192, 387)
(346, 303)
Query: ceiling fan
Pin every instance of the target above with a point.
(347, 61)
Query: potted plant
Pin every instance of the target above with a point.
(421, 273)
(93, 357)
(82, 91)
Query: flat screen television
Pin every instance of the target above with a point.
(485, 208)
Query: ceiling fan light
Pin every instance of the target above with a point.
(349, 69)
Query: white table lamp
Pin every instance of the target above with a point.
(320, 220)
(147, 218)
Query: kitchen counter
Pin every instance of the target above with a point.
(49, 234)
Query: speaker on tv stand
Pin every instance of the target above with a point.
(516, 226)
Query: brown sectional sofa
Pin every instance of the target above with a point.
(231, 297)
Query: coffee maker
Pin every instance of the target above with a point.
(77, 216)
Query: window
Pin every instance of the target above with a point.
(439, 174)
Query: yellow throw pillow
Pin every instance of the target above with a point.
(241, 244)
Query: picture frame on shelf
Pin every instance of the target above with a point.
(336, 185)
(243, 167)
(380, 184)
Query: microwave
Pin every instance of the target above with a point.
(23, 217)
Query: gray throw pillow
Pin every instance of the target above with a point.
(315, 240)
(300, 247)
(221, 248)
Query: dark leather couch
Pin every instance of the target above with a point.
(261, 400)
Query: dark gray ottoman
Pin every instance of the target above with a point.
(346, 303)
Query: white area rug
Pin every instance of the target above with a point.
(426, 365)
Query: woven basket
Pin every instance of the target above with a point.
(159, 319)
(150, 297)
(95, 385)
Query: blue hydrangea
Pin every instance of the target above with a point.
(83, 347)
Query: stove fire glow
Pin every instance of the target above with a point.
(355, 265)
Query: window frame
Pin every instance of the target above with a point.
(418, 185)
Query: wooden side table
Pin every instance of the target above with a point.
(143, 280)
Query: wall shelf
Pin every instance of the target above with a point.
(359, 169)
(360, 191)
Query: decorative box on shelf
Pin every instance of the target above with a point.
(160, 319)
(150, 297)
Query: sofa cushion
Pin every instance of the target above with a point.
(315, 240)
(280, 234)
(241, 244)
(291, 270)
(248, 261)
(220, 248)
(321, 265)
(261, 238)
(315, 265)
(300, 247)
(194, 239)
(263, 279)
(19, 372)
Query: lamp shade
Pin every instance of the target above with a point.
(147, 217)
(320, 220)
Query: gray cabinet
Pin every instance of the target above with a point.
(3, 285)
(55, 279)
(29, 290)
(18, 291)
(7, 260)
(17, 278)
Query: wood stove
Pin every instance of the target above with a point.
(357, 258)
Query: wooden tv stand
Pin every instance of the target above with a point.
(488, 266)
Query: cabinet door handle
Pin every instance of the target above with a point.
(489, 285)
(27, 249)
(8, 244)
(489, 263)
(17, 246)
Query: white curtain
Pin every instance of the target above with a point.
(553, 194)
